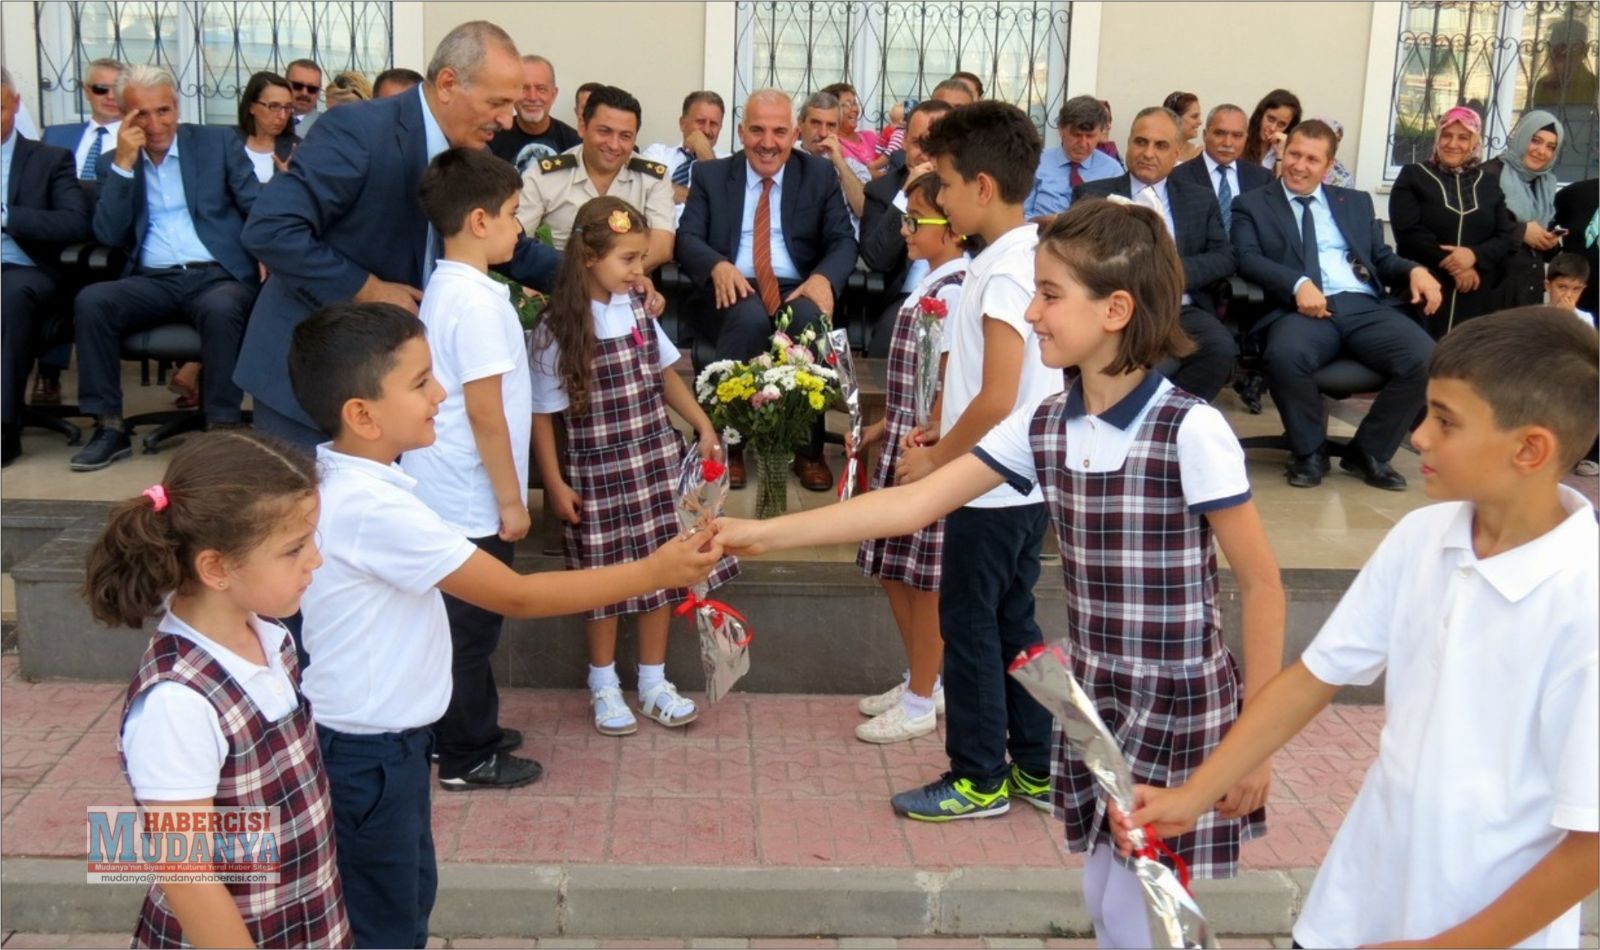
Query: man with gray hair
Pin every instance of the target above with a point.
(173, 197)
(87, 140)
(819, 135)
(1219, 167)
(1077, 160)
(535, 132)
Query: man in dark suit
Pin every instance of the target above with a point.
(343, 223)
(174, 197)
(1318, 252)
(763, 230)
(87, 141)
(1195, 223)
(44, 208)
(883, 247)
(1219, 167)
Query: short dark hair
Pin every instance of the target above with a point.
(1083, 113)
(1533, 366)
(1319, 130)
(1179, 102)
(1254, 150)
(342, 352)
(1568, 265)
(305, 63)
(839, 89)
(1115, 245)
(990, 138)
(400, 75)
(460, 181)
(252, 91)
(954, 85)
(614, 98)
(934, 107)
(702, 95)
(587, 88)
(964, 76)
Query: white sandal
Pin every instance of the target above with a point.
(611, 713)
(662, 703)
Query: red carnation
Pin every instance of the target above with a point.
(711, 470)
(932, 306)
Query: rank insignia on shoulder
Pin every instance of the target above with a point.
(653, 169)
(558, 162)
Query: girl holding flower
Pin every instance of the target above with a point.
(606, 367)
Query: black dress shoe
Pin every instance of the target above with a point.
(497, 771)
(105, 447)
(1373, 472)
(1306, 471)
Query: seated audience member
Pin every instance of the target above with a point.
(349, 86)
(1193, 219)
(1529, 182)
(1337, 173)
(1186, 106)
(1105, 144)
(535, 132)
(392, 82)
(1275, 117)
(857, 143)
(174, 196)
(955, 92)
(87, 140)
(883, 246)
(1576, 209)
(305, 81)
(819, 128)
(581, 97)
(553, 189)
(46, 209)
(1565, 280)
(264, 109)
(1318, 253)
(1076, 160)
(764, 230)
(1219, 166)
(1449, 215)
(700, 125)
(971, 81)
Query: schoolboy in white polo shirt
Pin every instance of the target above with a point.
(375, 622)
(1477, 825)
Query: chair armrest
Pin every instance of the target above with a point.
(1243, 290)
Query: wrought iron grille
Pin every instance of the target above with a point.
(903, 48)
(211, 47)
(1501, 59)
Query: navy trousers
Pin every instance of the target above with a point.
(470, 729)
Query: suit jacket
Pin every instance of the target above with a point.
(1251, 176)
(1266, 241)
(67, 136)
(1197, 220)
(283, 146)
(219, 185)
(346, 208)
(816, 222)
(46, 208)
(883, 247)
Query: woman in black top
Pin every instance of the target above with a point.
(1450, 216)
(1527, 177)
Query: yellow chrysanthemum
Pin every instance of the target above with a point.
(816, 401)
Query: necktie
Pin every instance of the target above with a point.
(1308, 241)
(1225, 198)
(91, 161)
(1073, 177)
(680, 175)
(1149, 198)
(766, 280)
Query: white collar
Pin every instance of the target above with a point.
(946, 269)
(1518, 572)
(1317, 196)
(332, 460)
(752, 181)
(270, 634)
(466, 271)
(1212, 164)
(1160, 187)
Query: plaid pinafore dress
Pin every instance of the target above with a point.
(268, 764)
(912, 559)
(622, 459)
(1144, 629)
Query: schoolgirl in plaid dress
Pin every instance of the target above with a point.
(214, 716)
(908, 566)
(606, 367)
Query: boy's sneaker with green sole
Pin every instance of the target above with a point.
(1033, 789)
(951, 798)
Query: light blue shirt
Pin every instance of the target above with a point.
(436, 142)
(10, 253)
(782, 263)
(1338, 276)
(169, 238)
(1052, 183)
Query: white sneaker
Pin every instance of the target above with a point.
(662, 703)
(883, 702)
(611, 713)
(896, 726)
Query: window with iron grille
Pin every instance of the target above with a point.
(211, 47)
(901, 49)
(1501, 59)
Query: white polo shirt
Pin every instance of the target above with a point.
(611, 321)
(172, 737)
(1488, 753)
(999, 286)
(474, 334)
(375, 625)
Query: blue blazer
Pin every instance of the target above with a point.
(1203, 246)
(46, 208)
(67, 136)
(1266, 241)
(816, 222)
(346, 208)
(219, 184)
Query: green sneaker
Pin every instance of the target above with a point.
(1029, 787)
(951, 798)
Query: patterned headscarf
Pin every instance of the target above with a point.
(1531, 196)
(1472, 122)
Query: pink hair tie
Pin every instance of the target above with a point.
(158, 497)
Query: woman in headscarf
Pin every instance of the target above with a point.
(1529, 182)
(1450, 216)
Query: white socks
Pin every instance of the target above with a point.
(915, 706)
(1115, 899)
(603, 677)
(651, 675)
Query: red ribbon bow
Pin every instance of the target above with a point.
(1154, 848)
(711, 470)
(719, 612)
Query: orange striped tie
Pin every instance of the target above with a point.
(766, 280)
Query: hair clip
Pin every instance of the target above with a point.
(157, 494)
(619, 222)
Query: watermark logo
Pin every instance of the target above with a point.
(142, 845)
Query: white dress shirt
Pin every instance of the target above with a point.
(782, 263)
(108, 145)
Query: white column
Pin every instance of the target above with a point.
(721, 38)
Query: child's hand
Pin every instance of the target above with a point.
(919, 437)
(686, 560)
(1165, 810)
(1249, 794)
(710, 444)
(741, 537)
(916, 463)
(565, 502)
(871, 435)
(514, 521)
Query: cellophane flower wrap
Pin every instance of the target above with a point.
(724, 633)
(836, 352)
(1175, 918)
(929, 341)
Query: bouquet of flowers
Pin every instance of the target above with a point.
(529, 303)
(929, 342)
(770, 403)
(836, 351)
(724, 633)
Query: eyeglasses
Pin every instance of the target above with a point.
(304, 87)
(100, 90)
(910, 224)
(273, 107)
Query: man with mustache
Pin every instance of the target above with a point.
(535, 133)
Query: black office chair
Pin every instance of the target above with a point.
(164, 346)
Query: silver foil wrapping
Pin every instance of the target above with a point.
(929, 341)
(724, 634)
(1175, 918)
(836, 351)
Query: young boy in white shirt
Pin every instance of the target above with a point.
(1477, 825)
(374, 618)
(475, 475)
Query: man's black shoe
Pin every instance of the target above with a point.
(510, 741)
(1373, 472)
(105, 447)
(497, 771)
(1306, 471)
